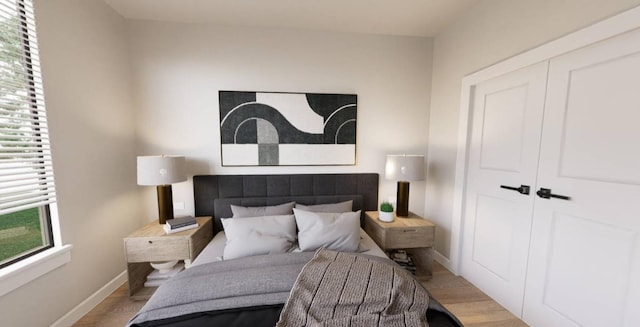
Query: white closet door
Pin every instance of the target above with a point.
(584, 267)
(507, 120)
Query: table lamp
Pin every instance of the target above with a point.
(162, 171)
(404, 168)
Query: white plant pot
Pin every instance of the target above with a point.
(385, 216)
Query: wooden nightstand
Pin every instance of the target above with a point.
(412, 234)
(150, 243)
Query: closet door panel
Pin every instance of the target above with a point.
(507, 118)
(585, 252)
(600, 116)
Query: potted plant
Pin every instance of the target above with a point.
(386, 212)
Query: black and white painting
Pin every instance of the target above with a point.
(286, 129)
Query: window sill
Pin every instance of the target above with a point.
(25, 271)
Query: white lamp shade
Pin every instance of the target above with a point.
(161, 170)
(404, 167)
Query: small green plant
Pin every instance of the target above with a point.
(386, 207)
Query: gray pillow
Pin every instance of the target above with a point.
(339, 207)
(258, 235)
(333, 231)
(281, 209)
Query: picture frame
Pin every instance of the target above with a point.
(287, 129)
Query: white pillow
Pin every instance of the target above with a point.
(333, 231)
(345, 206)
(280, 209)
(258, 235)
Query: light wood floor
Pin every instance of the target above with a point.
(114, 311)
(472, 307)
(469, 304)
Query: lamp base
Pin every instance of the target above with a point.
(402, 199)
(165, 203)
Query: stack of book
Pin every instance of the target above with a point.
(157, 278)
(402, 258)
(179, 224)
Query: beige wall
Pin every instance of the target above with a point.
(100, 121)
(86, 82)
(117, 89)
(491, 31)
(178, 70)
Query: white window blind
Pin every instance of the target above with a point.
(26, 173)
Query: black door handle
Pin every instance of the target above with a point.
(545, 193)
(523, 189)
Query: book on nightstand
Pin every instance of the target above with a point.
(169, 230)
(181, 222)
(157, 278)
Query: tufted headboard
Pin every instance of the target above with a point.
(214, 193)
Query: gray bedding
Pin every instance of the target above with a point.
(244, 282)
(269, 279)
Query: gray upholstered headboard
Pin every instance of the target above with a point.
(261, 190)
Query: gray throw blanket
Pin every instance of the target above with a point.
(238, 283)
(342, 289)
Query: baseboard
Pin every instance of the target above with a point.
(437, 256)
(93, 300)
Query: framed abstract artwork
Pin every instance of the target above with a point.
(287, 129)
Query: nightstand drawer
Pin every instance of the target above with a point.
(402, 233)
(145, 249)
(402, 238)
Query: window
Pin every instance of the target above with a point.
(26, 173)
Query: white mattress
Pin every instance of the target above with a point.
(214, 250)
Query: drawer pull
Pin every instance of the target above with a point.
(150, 242)
(410, 230)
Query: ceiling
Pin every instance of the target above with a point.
(389, 17)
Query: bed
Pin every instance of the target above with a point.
(254, 289)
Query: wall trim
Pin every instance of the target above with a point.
(599, 31)
(91, 302)
(444, 261)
